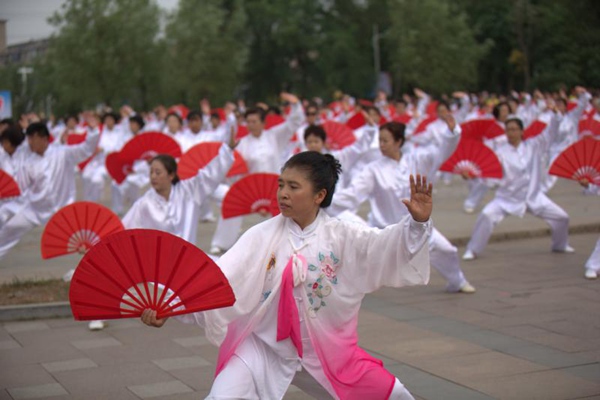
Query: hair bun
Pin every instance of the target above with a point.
(335, 165)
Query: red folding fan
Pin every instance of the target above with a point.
(221, 113)
(253, 193)
(147, 145)
(8, 186)
(356, 121)
(78, 227)
(579, 161)
(431, 108)
(273, 120)
(423, 125)
(117, 168)
(241, 132)
(404, 118)
(180, 110)
(589, 127)
(201, 154)
(472, 156)
(534, 129)
(338, 135)
(365, 103)
(136, 269)
(478, 129)
(75, 138)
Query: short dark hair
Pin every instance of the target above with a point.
(37, 128)
(116, 117)
(442, 103)
(322, 170)
(315, 130)
(215, 115)
(373, 108)
(7, 121)
(396, 129)
(256, 110)
(516, 121)
(194, 114)
(496, 110)
(172, 114)
(13, 135)
(138, 120)
(169, 163)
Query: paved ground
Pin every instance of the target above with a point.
(532, 331)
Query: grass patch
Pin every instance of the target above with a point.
(33, 291)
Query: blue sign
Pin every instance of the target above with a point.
(5, 104)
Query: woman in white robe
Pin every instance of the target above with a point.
(299, 279)
(384, 184)
(592, 265)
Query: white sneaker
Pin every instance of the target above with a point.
(469, 210)
(591, 274)
(69, 275)
(567, 249)
(96, 325)
(215, 250)
(467, 288)
(468, 256)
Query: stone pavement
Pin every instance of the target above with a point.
(532, 330)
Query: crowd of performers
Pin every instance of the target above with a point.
(394, 140)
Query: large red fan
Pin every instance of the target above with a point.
(147, 145)
(253, 193)
(589, 127)
(338, 135)
(117, 168)
(78, 227)
(356, 121)
(475, 158)
(478, 129)
(431, 108)
(404, 118)
(201, 154)
(74, 139)
(423, 125)
(241, 132)
(137, 269)
(8, 186)
(534, 129)
(273, 120)
(579, 161)
(180, 110)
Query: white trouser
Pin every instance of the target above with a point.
(235, 381)
(228, 229)
(443, 256)
(92, 188)
(11, 232)
(493, 214)
(477, 191)
(593, 262)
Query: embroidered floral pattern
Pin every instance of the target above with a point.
(321, 288)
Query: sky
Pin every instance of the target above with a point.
(27, 18)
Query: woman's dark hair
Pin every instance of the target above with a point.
(256, 110)
(13, 135)
(516, 121)
(496, 110)
(315, 130)
(442, 103)
(37, 128)
(172, 114)
(194, 114)
(116, 117)
(138, 120)
(396, 129)
(322, 170)
(373, 108)
(170, 165)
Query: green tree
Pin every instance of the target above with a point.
(105, 51)
(207, 50)
(432, 46)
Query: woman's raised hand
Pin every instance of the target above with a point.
(420, 203)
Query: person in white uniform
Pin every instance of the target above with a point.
(592, 265)
(47, 179)
(384, 184)
(13, 156)
(261, 150)
(299, 279)
(520, 189)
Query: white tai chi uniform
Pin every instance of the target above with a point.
(12, 164)
(593, 262)
(322, 272)
(262, 154)
(179, 215)
(48, 184)
(519, 192)
(386, 182)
